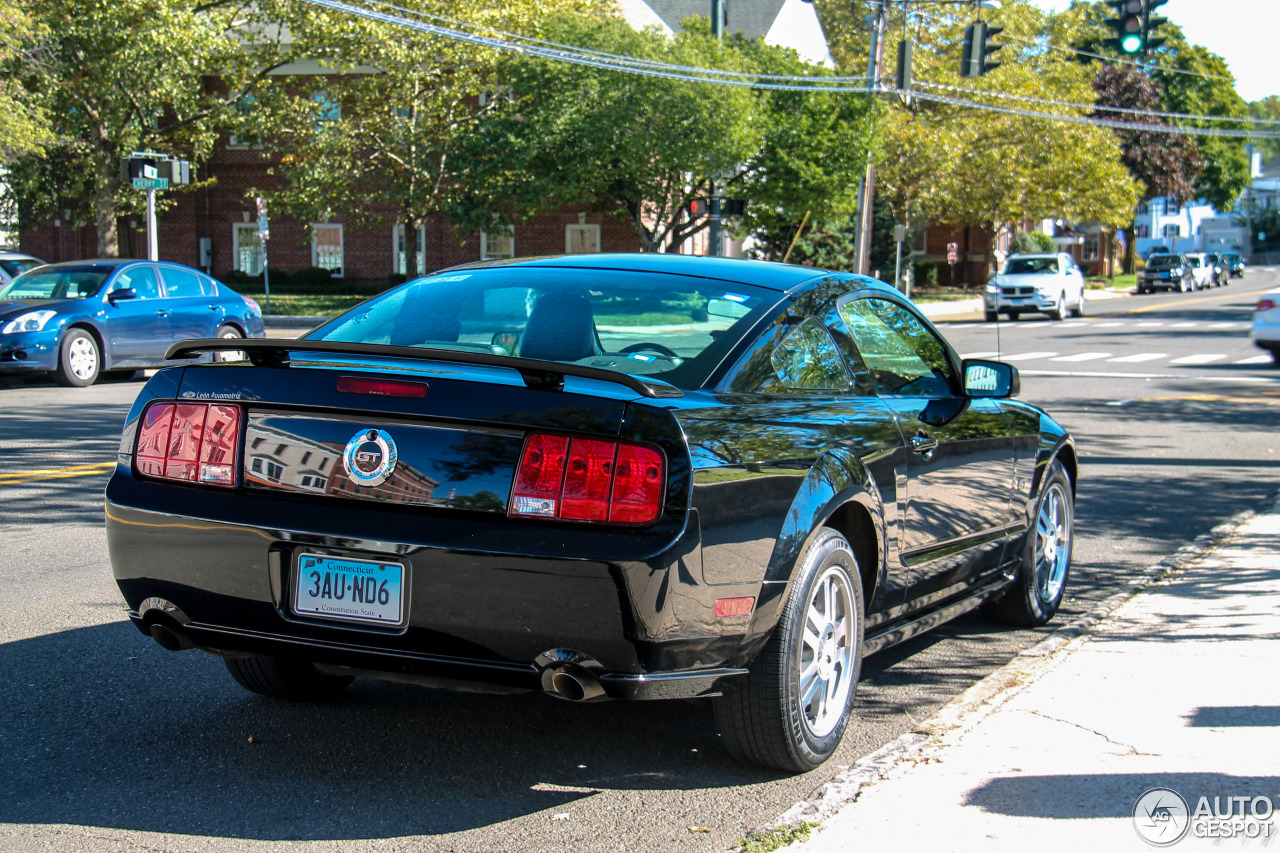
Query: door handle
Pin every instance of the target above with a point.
(924, 444)
(163, 312)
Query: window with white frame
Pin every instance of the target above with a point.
(1091, 247)
(581, 239)
(919, 241)
(1171, 232)
(498, 242)
(398, 250)
(247, 247)
(326, 248)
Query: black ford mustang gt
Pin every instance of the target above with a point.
(626, 476)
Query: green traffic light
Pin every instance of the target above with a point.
(1131, 43)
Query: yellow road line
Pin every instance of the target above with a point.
(1144, 309)
(20, 477)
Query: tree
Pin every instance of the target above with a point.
(24, 127)
(123, 75)
(1267, 108)
(1198, 82)
(1031, 242)
(387, 127)
(645, 147)
(1166, 165)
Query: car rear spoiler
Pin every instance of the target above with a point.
(547, 375)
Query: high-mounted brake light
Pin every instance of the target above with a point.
(583, 479)
(189, 442)
(382, 387)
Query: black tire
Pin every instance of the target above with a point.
(1078, 311)
(1036, 595)
(228, 332)
(1060, 312)
(79, 359)
(992, 316)
(767, 721)
(281, 678)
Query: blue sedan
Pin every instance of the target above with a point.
(80, 318)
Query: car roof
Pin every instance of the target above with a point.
(1034, 255)
(766, 274)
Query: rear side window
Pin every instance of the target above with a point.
(179, 283)
(808, 360)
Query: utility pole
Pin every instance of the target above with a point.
(867, 192)
(714, 235)
(1247, 248)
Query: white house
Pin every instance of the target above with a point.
(782, 23)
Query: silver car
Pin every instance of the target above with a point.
(1040, 284)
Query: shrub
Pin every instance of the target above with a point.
(311, 276)
(1031, 242)
(926, 274)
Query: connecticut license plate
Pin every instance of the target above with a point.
(349, 590)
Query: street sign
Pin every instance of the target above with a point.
(953, 252)
(151, 183)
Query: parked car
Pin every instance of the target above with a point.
(1158, 250)
(1266, 324)
(1234, 263)
(1221, 272)
(606, 476)
(1047, 284)
(14, 264)
(1204, 274)
(80, 318)
(1165, 272)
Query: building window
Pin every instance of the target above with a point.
(1143, 208)
(397, 250)
(326, 248)
(1171, 232)
(327, 110)
(581, 239)
(248, 249)
(920, 241)
(1091, 244)
(498, 242)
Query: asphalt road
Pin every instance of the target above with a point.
(112, 744)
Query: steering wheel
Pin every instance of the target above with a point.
(646, 346)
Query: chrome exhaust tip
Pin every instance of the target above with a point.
(168, 638)
(574, 684)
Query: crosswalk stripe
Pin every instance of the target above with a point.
(1027, 356)
(1231, 325)
(1083, 356)
(1256, 359)
(1153, 323)
(1202, 358)
(978, 354)
(1107, 325)
(1190, 324)
(1138, 357)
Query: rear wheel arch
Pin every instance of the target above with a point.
(853, 520)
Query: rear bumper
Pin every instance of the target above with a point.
(476, 615)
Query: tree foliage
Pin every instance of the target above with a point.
(123, 75)
(645, 147)
(1267, 108)
(24, 127)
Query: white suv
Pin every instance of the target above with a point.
(14, 264)
(1044, 284)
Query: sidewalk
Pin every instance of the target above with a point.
(1176, 688)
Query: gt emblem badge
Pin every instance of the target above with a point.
(370, 457)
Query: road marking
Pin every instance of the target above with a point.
(1200, 358)
(1107, 325)
(1027, 356)
(1232, 325)
(1075, 323)
(988, 354)
(1182, 302)
(20, 477)
(1256, 359)
(1139, 357)
(1152, 323)
(1098, 374)
(1083, 356)
(1190, 324)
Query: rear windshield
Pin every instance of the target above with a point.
(56, 283)
(17, 266)
(675, 327)
(1163, 262)
(1022, 266)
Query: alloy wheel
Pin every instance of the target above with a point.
(826, 652)
(1053, 543)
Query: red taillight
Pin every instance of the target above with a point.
(382, 387)
(189, 442)
(1265, 305)
(588, 480)
(725, 608)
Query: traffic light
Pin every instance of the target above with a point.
(1129, 24)
(977, 47)
(903, 80)
(1149, 23)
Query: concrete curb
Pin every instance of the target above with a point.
(980, 699)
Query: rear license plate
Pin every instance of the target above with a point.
(349, 590)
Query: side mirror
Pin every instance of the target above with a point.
(122, 293)
(984, 378)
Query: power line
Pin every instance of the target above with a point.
(1163, 69)
(1095, 106)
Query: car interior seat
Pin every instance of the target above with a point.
(561, 327)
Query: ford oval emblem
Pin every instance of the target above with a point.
(370, 457)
